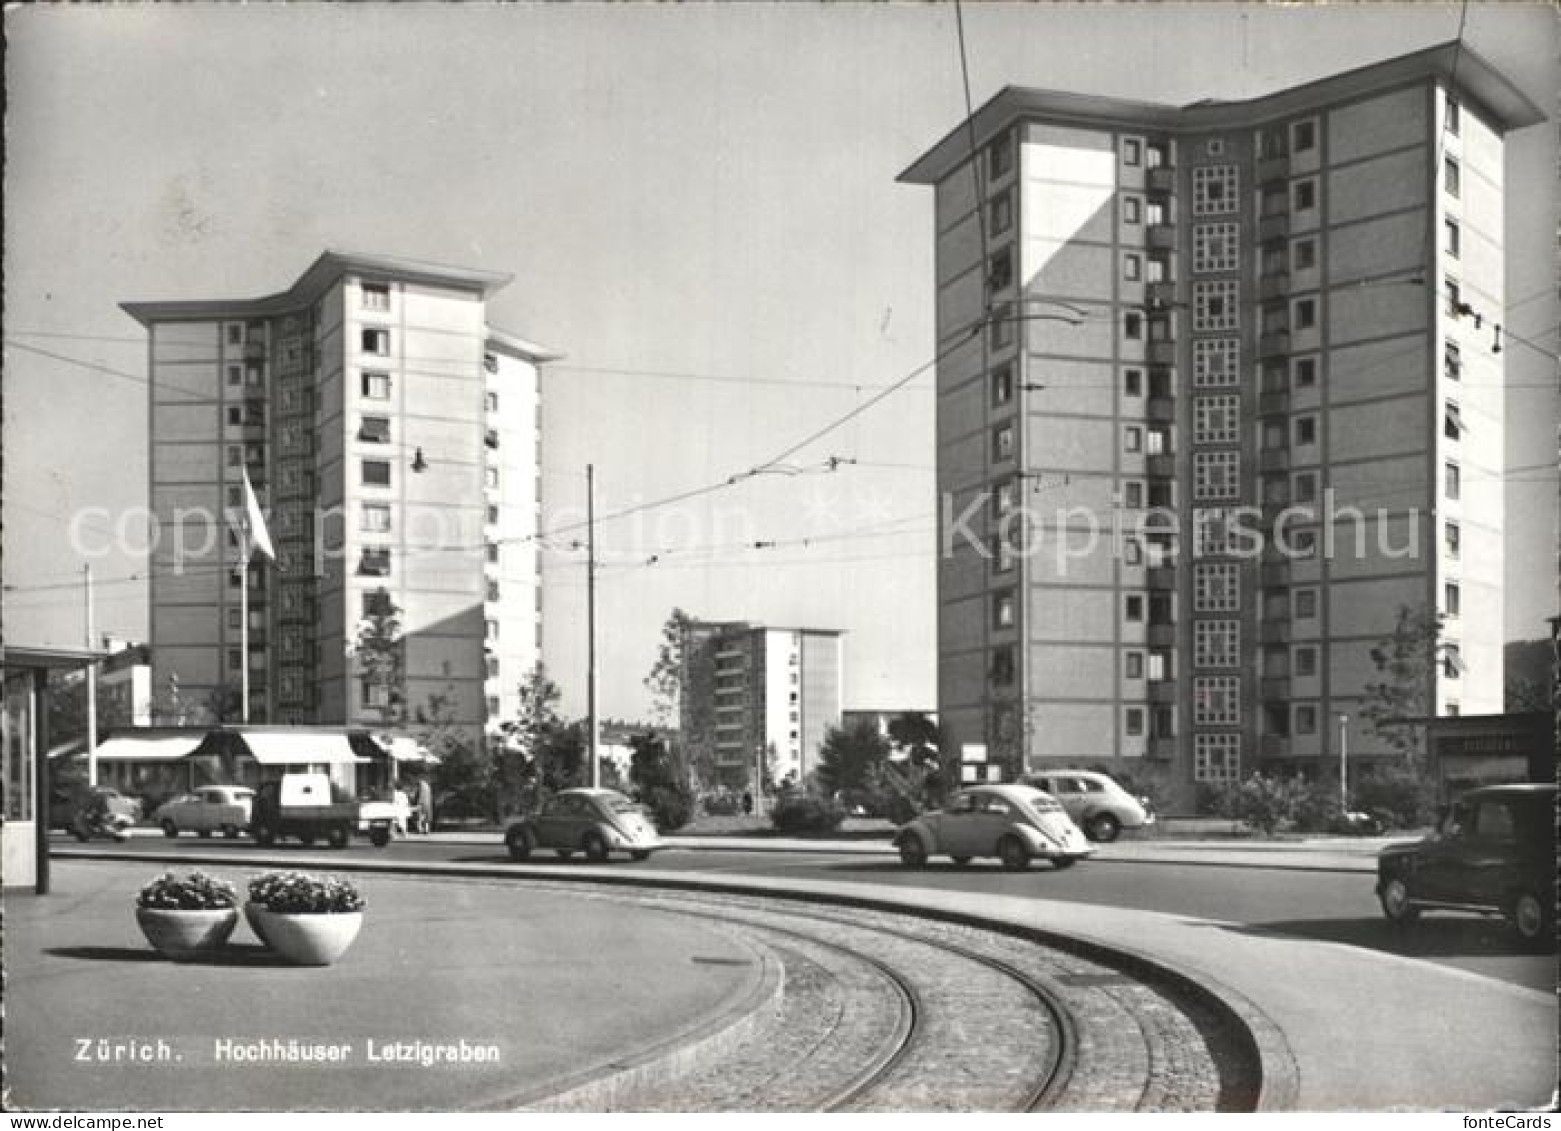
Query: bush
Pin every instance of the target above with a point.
(670, 806)
(195, 892)
(721, 804)
(800, 813)
(299, 893)
(1399, 797)
(1317, 807)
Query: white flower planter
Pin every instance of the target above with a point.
(186, 936)
(306, 940)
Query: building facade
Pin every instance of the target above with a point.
(1219, 394)
(753, 695)
(391, 436)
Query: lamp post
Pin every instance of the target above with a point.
(1344, 764)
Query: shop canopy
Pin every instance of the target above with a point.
(404, 748)
(147, 748)
(271, 748)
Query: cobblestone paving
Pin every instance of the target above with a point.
(982, 1041)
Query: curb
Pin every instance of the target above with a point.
(1260, 1046)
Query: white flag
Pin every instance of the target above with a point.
(255, 522)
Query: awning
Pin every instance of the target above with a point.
(404, 748)
(299, 749)
(161, 749)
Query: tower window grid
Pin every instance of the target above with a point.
(1216, 247)
(1214, 190)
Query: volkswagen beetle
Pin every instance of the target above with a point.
(593, 821)
(1015, 823)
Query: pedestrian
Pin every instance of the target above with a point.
(747, 803)
(425, 805)
(400, 809)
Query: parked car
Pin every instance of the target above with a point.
(207, 810)
(1097, 804)
(593, 821)
(67, 803)
(1015, 823)
(1493, 853)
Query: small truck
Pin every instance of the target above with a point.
(302, 806)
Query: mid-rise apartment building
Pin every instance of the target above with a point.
(392, 437)
(1181, 348)
(757, 696)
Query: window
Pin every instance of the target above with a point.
(999, 157)
(1216, 700)
(1452, 177)
(375, 341)
(492, 629)
(1002, 385)
(1452, 421)
(1305, 372)
(1157, 155)
(1132, 439)
(235, 496)
(1303, 255)
(1133, 383)
(1304, 489)
(1000, 214)
(1215, 362)
(1134, 722)
(1132, 210)
(1214, 530)
(1306, 662)
(376, 473)
(491, 400)
(1133, 496)
(493, 514)
(235, 455)
(493, 590)
(1003, 665)
(375, 430)
(1133, 326)
(1452, 360)
(1303, 195)
(1216, 758)
(1454, 116)
(374, 563)
(1216, 247)
(1303, 136)
(1000, 270)
(235, 658)
(1452, 599)
(235, 415)
(1305, 604)
(1306, 718)
(1305, 430)
(1216, 587)
(254, 376)
(1132, 151)
(1454, 237)
(376, 296)
(1003, 497)
(234, 619)
(376, 386)
(1214, 306)
(1003, 609)
(1133, 608)
(1215, 475)
(1003, 443)
(1214, 643)
(235, 375)
(1454, 297)
(1132, 268)
(235, 334)
(375, 518)
(1000, 331)
(1453, 480)
(1305, 316)
(1216, 419)
(1452, 661)
(1134, 665)
(1214, 190)
(490, 477)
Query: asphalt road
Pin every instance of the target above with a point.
(1327, 906)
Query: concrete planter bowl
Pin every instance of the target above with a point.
(186, 936)
(310, 939)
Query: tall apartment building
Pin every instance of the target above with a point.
(1219, 323)
(752, 692)
(392, 437)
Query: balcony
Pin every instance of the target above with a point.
(1273, 285)
(1275, 746)
(254, 350)
(1161, 636)
(1161, 410)
(1276, 687)
(1162, 352)
(1161, 237)
(1162, 466)
(1274, 459)
(1163, 747)
(1275, 226)
(1273, 402)
(1161, 577)
(1271, 169)
(1161, 180)
(1162, 691)
(1274, 343)
(1274, 631)
(1160, 295)
(1275, 575)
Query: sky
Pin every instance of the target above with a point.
(699, 207)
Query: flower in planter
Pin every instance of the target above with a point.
(195, 892)
(300, 893)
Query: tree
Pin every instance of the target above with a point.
(681, 683)
(462, 778)
(1406, 659)
(917, 735)
(1527, 664)
(665, 680)
(225, 703)
(536, 754)
(379, 653)
(170, 709)
(852, 758)
(655, 776)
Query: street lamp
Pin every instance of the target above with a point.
(1344, 765)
